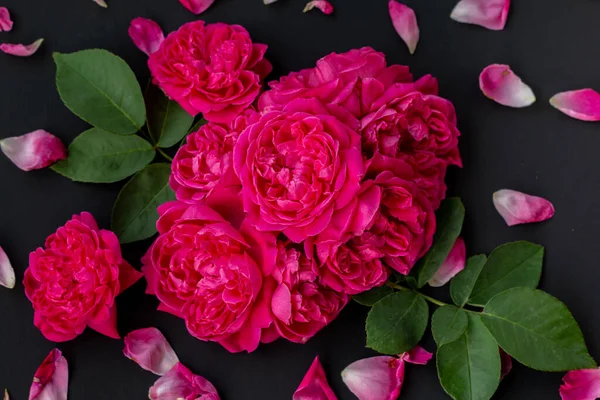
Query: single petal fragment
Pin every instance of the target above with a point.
(267, 2)
(506, 364)
(6, 23)
(146, 34)
(491, 14)
(34, 150)
(454, 263)
(7, 273)
(499, 83)
(404, 20)
(101, 3)
(520, 208)
(583, 384)
(21, 50)
(583, 104)
(181, 383)
(51, 380)
(149, 348)
(197, 6)
(6, 396)
(323, 5)
(418, 355)
(314, 386)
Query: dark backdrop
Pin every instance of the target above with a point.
(552, 44)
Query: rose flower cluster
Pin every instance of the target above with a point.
(290, 201)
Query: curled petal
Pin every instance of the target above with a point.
(267, 2)
(34, 150)
(520, 208)
(149, 348)
(323, 5)
(101, 3)
(51, 380)
(21, 50)
(6, 23)
(581, 104)
(506, 364)
(6, 396)
(583, 384)
(314, 386)
(181, 383)
(146, 34)
(405, 23)
(7, 273)
(499, 83)
(197, 6)
(491, 14)
(418, 355)
(454, 263)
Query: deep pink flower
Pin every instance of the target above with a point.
(182, 384)
(314, 385)
(51, 380)
(34, 150)
(211, 69)
(72, 282)
(583, 384)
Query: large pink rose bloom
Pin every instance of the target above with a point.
(211, 69)
(299, 167)
(72, 282)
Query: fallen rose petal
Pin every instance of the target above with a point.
(21, 50)
(454, 263)
(7, 273)
(149, 348)
(499, 83)
(322, 5)
(181, 383)
(491, 14)
(146, 34)
(6, 396)
(34, 150)
(405, 23)
(314, 386)
(197, 6)
(417, 355)
(581, 104)
(583, 384)
(51, 380)
(506, 364)
(6, 23)
(267, 2)
(520, 208)
(101, 3)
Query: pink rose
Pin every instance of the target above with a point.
(211, 69)
(72, 282)
(299, 167)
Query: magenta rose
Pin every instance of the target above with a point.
(211, 69)
(73, 280)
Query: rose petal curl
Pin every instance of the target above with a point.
(146, 34)
(454, 263)
(405, 23)
(499, 83)
(323, 5)
(491, 14)
(150, 349)
(583, 384)
(7, 273)
(181, 383)
(21, 50)
(197, 6)
(583, 104)
(6, 23)
(520, 208)
(314, 386)
(51, 380)
(34, 150)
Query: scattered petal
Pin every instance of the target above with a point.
(7, 273)
(146, 34)
(314, 386)
(34, 150)
(149, 348)
(520, 208)
(51, 380)
(405, 23)
(267, 2)
(323, 5)
(506, 365)
(6, 23)
(181, 383)
(454, 263)
(21, 50)
(418, 355)
(197, 6)
(499, 83)
(101, 3)
(6, 396)
(583, 384)
(491, 14)
(581, 104)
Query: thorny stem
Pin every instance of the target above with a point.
(428, 298)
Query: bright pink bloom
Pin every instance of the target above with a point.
(583, 384)
(323, 5)
(211, 69)
(181, 384)
(21, 50)
(146, 34)
(34, 150)
(491, 14)
(150, 350)
(6, 23)
(581, 104)
(51, 380)
(197, 6)
(499, 83)
(72, 282)
(520, 208)
(7, 273)
(454, 263)
(314, 385)
(405, 23)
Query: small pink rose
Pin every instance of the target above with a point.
(314, 385)
(51, 380)
(454, 263)
(181, 384)
(21, 50)
(7, 273)
(490, 14)
(150, 350)
(323, 5)
(6, 23)
(146, 34)
(499, 83)
(581, 104)
(520, 208)
(34, 150)
(405, 23)
(583, 384)
(197, 6)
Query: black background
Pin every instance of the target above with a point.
(553, 45)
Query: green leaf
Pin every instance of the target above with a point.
(168, 122)
(372, 296)
(462, 284)
(469, 368)
(448, 323)
(397, 323)
(517, 264)
(450, 217)
(537, 330)
(134, 214)
(98, 156)
(101, 89)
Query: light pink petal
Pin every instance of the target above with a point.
(491, 14)
(506, 365)
(267, 2)
(146, 34)
(375, 378)
(583, 384)
(405, 23)
(520, 208)
(323, 5)
(499, 83)
(454, 263)
(101, 3)
(181, 383)
(34, 150)
(197, 6)
(21, 50)
(6, 23)
(51, 380)
(149, 348)
(418, 355)
(314, 386)
(6, 396)
(7, 273)
(581, 104)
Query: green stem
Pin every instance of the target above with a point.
(165, 155)
(428, 298)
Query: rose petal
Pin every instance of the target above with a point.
(418, 355)
(101, 3)
(405, 23)
(323, 5)
(197, 6)
(146, 34)
(21, 50)
(581, 104)
(491, 14)
(454, 263)
(51, 380)
(7, 273)
(267, 2)
(314, 386)
(149, 348)
(583, 384)
(34, 150)
(499, 83)
(6, 396)
(108, 324)
(520, 208)
(6, 23)
(181, 383)
(506, 364)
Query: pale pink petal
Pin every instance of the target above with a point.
(314, 386)
(146, 35)
(506, 365)
(405, 23)
(181, 383)
(583, 384)
(6, 23)
(34, 150)
(581, 104)
(6, 396)
(149, 348)
(418, 355)
(197, 6)
(21, 50)
(101, 3)
(51, 380)
(7, 273)
(491, 14)
(520, 208)
(323, 5)
(499, 83)
(267, 2)
(454, 263)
